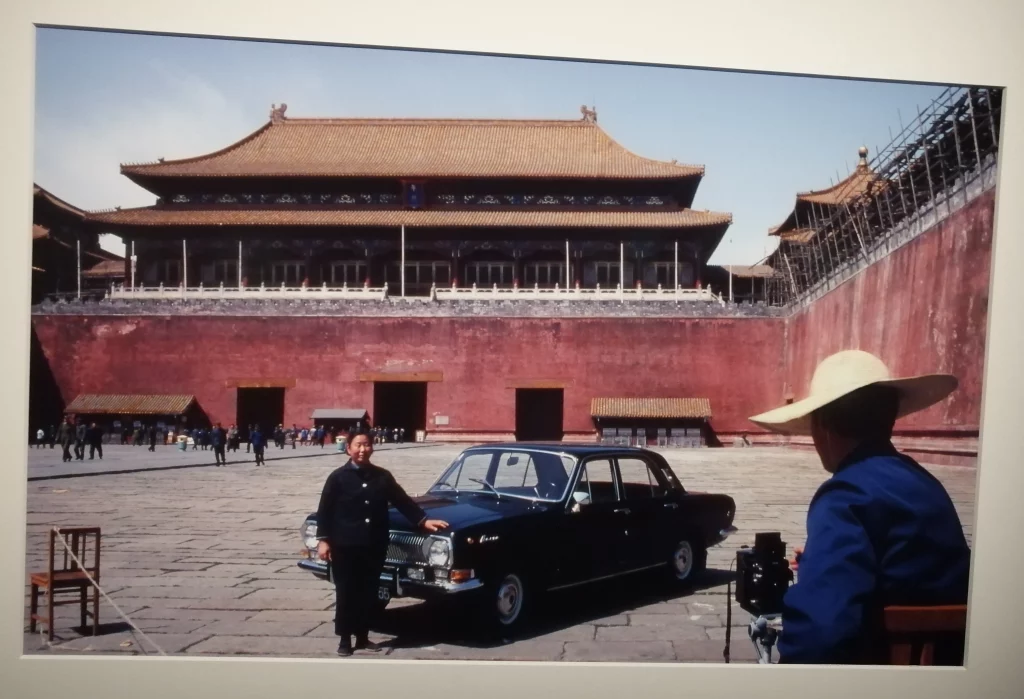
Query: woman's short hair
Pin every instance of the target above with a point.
(355, 432)
(867, 413)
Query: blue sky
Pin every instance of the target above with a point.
(103, 99)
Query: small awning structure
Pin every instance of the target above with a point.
(130, 404)
(340, 414)
(106, 269)
(651, 408)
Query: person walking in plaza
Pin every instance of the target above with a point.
(217, 438)
(248, 439)
(259, 444)
(882, 530)
(81, 432)
(151, 433)
(94, 436)
(66, 437)
(353, 531)
(40, 437)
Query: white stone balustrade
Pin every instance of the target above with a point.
(471, 293)
(536, 293)
(248, 292)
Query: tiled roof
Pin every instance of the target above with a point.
(422, 148)
(167, 216)
(858, 183)
(41, 193)
(107, 268)
(748, 270)
(133, 404)
(651, 407)
(798, 235)
(844, 192)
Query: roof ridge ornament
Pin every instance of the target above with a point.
(863, 153)
(589, 115)
(277, 113)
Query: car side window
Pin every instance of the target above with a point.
(596, 483)
(640, 481)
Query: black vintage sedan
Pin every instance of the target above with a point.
(527, 519)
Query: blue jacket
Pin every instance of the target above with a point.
(881, 531)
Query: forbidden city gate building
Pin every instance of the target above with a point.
(344, 203)
(439, 209)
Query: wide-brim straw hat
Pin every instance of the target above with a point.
(845, 372)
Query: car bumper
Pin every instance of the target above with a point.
(722, 535)
(398, 583)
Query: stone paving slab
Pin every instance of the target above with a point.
(633, 651)
(205, 559)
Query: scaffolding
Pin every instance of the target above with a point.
(927, 168)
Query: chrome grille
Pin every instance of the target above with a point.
(407, 548)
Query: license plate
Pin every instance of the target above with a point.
(383, 594)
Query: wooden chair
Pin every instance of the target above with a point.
(925, 635)
(68, 578)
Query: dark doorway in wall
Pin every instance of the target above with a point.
(260, 406)
(401, 405)
(539, 414)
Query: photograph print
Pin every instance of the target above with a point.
(362, 353)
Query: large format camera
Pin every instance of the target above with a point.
(763, 575)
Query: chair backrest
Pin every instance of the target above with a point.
(925, 635)
(83, 541)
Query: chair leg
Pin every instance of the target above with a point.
(49, 612)
(33, 609)
(95, 611)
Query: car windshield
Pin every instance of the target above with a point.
(535, 475)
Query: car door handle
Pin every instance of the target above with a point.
(672, 505)
(622, 510)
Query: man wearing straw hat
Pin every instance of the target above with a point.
(882, 530)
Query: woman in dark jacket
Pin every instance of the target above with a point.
(353, 527)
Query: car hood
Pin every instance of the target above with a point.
(464, 510)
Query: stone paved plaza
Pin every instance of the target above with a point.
(203, 559)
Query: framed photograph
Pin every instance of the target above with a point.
(708, 329)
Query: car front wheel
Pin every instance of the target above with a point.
(687, 562)
(505, 604)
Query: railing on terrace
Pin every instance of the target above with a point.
(246, 292)
(537, 293)
(473, 293)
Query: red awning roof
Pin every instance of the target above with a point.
(651, 408)
(130, 404)
(422, 148)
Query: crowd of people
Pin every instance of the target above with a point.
(74, 435)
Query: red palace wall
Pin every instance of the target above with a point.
(922, 309)
(731, 362)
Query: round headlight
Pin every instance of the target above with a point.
(309, 539)
(440, 553)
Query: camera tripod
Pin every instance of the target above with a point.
(764, 634)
